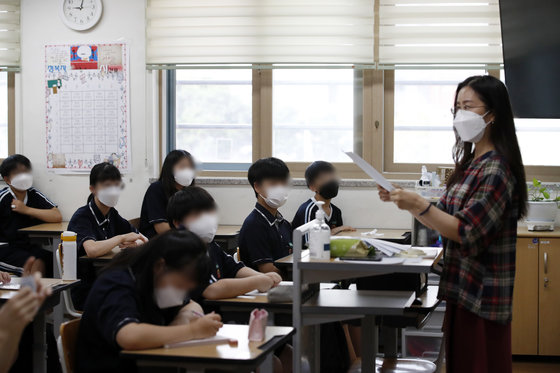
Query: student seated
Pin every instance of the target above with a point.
(321, 178)
(22, 206)
(194, 209)
(265, 235)
(177, 172)
(140, 301)
(99, 227)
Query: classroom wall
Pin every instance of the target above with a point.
(40, 25)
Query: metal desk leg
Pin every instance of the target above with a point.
(370, 344)
(39, 343)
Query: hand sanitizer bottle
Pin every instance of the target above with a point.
(320, 235)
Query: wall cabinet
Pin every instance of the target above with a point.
(536, 296)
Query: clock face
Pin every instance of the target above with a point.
(81, 14)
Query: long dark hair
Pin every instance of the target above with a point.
(493, 93)
(102, 172)
(180, 250)
(166, 176)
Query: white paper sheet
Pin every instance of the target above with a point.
(215, 340)
(370, 171)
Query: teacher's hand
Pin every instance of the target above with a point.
(384, 194)
(408, 200)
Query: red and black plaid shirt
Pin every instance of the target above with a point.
(479, 271)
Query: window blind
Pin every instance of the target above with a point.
(9, 33)
(439, 32)
(259, 31)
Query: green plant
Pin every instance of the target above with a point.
(539, 192)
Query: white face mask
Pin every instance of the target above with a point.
(205, 226)
(109, 196)
(469, 125)
(169, 296)
(184, 176)
(276, 196)
(22, 181)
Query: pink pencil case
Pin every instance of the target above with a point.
(257, 325)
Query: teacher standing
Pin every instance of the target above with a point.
(477, 216)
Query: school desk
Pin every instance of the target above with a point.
(39, 322)
(226, 237)
(245, 357)
(48, 233)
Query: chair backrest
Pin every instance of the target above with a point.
(58, 261)
(67, 345)
(135, 222)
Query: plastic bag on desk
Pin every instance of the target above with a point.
(257, 325)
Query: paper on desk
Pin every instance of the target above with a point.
(217, 339)
(386, 247)
(370, 171)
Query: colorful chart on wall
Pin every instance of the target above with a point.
(87, 106)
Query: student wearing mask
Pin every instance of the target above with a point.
(477, 216)
(321, 178)
(21, 206)
(98, 225)
(194, 208)
(141, 301)
(265, 235)
(177, 172)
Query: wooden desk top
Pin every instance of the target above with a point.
(47, 228)
(522, 231)
(56, 284)
(388, 234)
(243, 353)
(228, 230)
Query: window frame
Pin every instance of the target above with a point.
(377, 127)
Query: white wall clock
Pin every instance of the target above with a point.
(80, 14)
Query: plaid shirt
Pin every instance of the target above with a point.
(479, 271)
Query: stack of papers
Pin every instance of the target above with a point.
(386, 247)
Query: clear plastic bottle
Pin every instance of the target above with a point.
(320, 235)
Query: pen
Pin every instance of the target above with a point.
(197, 314)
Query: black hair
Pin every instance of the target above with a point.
(315, 169)
(186, 201)
(267, 169)
(180, 250)
(12, 162)
(493, 93)
(102, 172)
(166, 176)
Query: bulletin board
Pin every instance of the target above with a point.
(87, 106)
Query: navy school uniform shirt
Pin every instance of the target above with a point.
(19, 246)
(90, 224)
(154, 209)
(264, 238)
(112, 304)
(307, 211)
(222, 265)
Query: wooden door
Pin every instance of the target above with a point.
(524, 327)
(549, 296)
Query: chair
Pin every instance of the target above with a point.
(135, 222)
(66, 298)
(66, 345)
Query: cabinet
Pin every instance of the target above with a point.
(536, 296)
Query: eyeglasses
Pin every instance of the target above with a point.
(455, 109)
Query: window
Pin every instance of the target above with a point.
(4, 138)
(313, 114)
(423, 123)
(213, 114)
